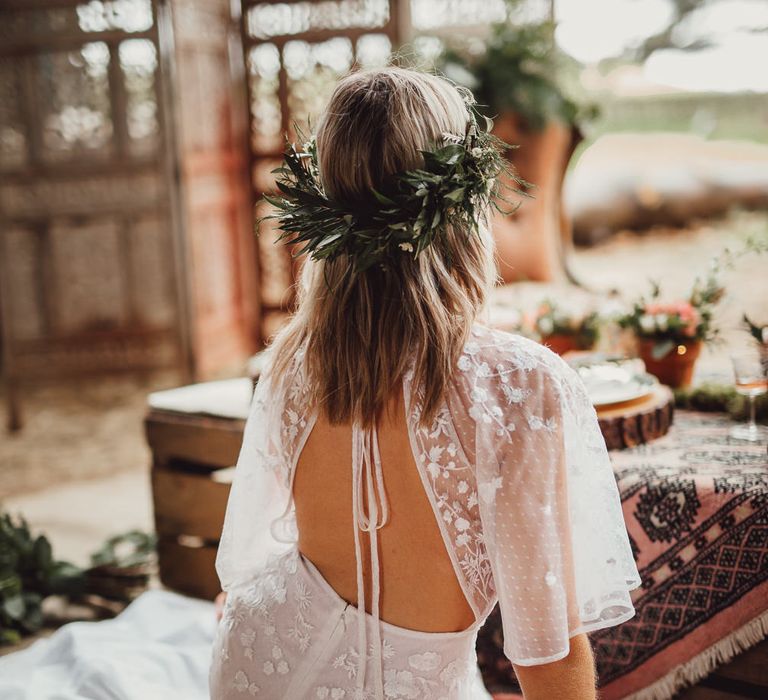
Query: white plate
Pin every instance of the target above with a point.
(613, 383)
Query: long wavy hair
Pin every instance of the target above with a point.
(362, 330)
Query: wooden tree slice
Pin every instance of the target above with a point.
(631, 423)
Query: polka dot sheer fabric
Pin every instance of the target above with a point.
(519, 480)
(549, 507)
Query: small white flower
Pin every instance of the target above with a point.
(477, 152)
(647, 324)
(400, 684)
(478, 394)
(407, 247)
(546, 325)
(241, 681)
(242, 684)
(472, 347)
(451, 674)
(662, 321)
(461, 524)
(489, 488)
(428, 661)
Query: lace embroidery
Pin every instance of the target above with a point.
(452, 481)
(257, 603)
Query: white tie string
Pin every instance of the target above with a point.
(366, 464)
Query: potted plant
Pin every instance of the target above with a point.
(565, 330)
(670, 334)
(514, 75)
(29, 573)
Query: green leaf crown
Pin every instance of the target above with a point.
(459, 180)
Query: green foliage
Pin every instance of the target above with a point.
(517, 71)
(458, 182)
(29, 573)
(133, 548)
(720, 398)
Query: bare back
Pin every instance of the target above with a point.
(419, 588)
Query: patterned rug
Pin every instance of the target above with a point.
(696, 507)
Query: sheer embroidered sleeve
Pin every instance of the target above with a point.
(550, 508)
(259, 491)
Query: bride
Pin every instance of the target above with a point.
(404, 468)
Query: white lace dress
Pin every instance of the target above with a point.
(522, 488)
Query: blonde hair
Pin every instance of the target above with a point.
(363, 329)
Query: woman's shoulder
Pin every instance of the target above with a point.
(494, 352)
(507, 373)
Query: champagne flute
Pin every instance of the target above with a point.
(751, 381)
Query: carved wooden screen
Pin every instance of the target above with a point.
(86, 252)
(294, 53)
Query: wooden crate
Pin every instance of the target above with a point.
(189, 452)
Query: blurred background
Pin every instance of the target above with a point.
(137, 137)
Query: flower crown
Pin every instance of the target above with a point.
(459, 180)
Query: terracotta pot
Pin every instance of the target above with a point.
(674, 369)
(529, 242)
(561, 343)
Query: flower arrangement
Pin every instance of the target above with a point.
(676, 323)
(671, 334)
(566, 329)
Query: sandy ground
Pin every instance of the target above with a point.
(79, 469)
